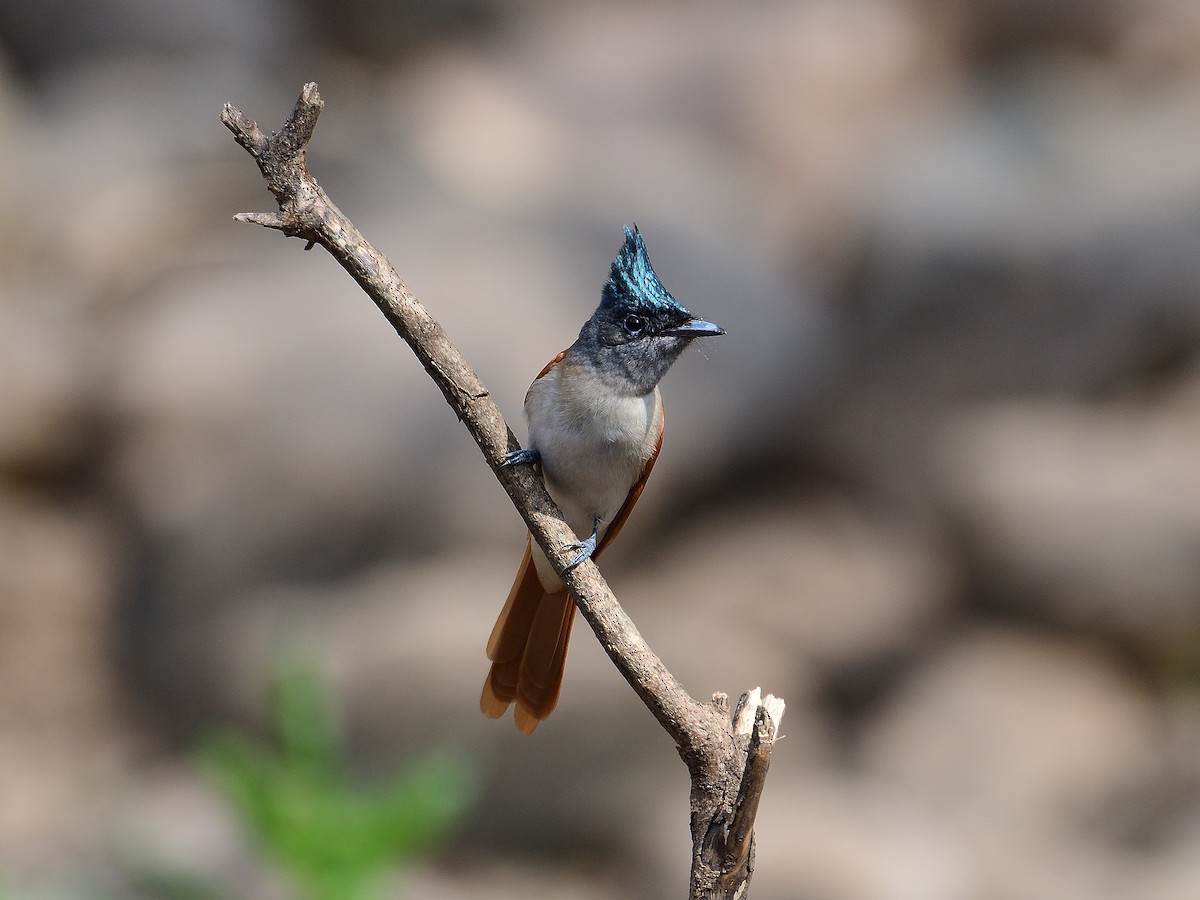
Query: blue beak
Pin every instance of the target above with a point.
(695, 328)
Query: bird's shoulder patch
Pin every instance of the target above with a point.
(550, 365)
(545, 371)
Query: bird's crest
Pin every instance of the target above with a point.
(632, 277)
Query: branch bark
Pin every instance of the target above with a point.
(727, 765)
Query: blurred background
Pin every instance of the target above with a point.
(939, 487)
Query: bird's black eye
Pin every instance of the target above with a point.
(633, 325)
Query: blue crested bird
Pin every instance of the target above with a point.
(595, 427)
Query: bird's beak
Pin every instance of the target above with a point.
(695, 328)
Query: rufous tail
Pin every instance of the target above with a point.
(528, 650)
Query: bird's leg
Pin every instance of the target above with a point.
(585, 548)
(520, 458)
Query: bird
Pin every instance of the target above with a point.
(596, 420)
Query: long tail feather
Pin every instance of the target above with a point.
(507, 643)
(545, 658)
(528, 650)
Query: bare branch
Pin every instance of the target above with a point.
(757, 719)
(722, 792)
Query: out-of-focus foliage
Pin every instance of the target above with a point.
(335, 836)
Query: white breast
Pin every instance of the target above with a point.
(594, 446)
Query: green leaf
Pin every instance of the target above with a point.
(336, 838)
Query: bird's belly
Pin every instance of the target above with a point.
(588, 484)
(592, 456)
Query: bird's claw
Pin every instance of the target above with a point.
(520, 458)
(585, 548)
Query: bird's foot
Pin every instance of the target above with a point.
(585, 548)
(520, 458)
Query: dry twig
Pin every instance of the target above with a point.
(727, 765)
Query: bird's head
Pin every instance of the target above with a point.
(639, 329)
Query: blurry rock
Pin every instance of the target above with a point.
(1004, 726)
(43, 36)
(1165, 822)
(1089, 515)
(17, 153)
(849, 75)
(133, 175)
(64, 724)
(511, 881)
(401, 644)
(47, 385)
(825, 834)
(1040, 239)
(817, 582)
(1011, 28)
(1172, 875)
(1023, 744)
(169, 822)
(382, 31)
(58, 580)
(1161, 40)
(259, 412)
